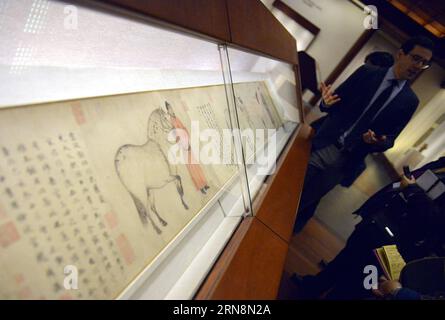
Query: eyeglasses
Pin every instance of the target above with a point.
(425, 64)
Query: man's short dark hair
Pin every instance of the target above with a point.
(380, 59)
(420, 41)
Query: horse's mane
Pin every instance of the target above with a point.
(154, 114)
(156, 117)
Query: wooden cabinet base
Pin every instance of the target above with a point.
(254, 265)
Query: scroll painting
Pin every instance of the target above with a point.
(89, 183)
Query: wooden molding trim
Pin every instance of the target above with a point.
(344, 62)
(254, 27)
(208, 17)
(246, 24)
(298, 18)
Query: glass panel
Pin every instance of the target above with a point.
(266, 106)
(239, 154)
(104, 154)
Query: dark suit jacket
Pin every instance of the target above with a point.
(356, 93)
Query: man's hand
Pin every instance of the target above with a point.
(329, 98)
(370, 137)
(405, 181)
(386, 287)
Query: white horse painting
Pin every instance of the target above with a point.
(144, 168)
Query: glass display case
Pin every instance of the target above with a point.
(130, 150)
(269, 107)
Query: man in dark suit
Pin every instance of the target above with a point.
(365, 115)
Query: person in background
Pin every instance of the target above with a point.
(412, 221)
(365, 115)
(385, 193)
(380, 59)
(422, 279)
